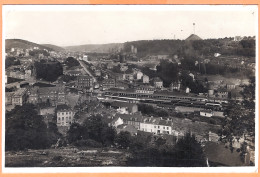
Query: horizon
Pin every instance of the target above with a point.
(83, 25)
(118, 42)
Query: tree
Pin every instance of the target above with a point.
(48, 71)
(94, 128)
(71, 62)
(9, 61)
(123, 139)
(25, 129)
(75, 133)
(189, 153)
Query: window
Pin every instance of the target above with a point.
(63, 113)
(154, 126)
(167, 128)
(158, 126)
(66, 113)
(62, 118)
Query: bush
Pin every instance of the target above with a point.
(87, 143)
(212, 121)
(57, 158)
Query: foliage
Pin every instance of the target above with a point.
(93, 128)
(123, 139)
(37, 52)
(48, 71)
(168, 72)
(186, 153)
(9, 61)
(26, 129)
(71, 62)
(149, 110)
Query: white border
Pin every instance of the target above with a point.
(128, 169)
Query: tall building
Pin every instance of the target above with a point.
(84, 82)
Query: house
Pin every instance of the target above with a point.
(8, 98)
(97, 73)
(116, 121)
(19, 97)
(127, 128)
(222, 93)
(187, 90)
(145, 79)
(206, 113)
(108, 83)
(139, 75)
(213, 137)
(130, 119)
(230, 85)
(123, 68)
(158, 83)
(192, 75)
(110, 66)
(53, 95)
(128, 77)
(47, 110)
(145, 89)
(84, 81)
(124, 107)
(33, 95)
(175, 86)
(156, 126)
(65, 115)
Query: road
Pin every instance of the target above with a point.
(85, 67)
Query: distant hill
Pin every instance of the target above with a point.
(193, 37)
(23, 44)
(98, 48)
(54, 47)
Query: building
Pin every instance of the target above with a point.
(145, 89)
(8, 98)
(222, 93)
(156, 126)
(130, 119)
(84, 81)
(128, 77)
(175, 86)
(65, 115)
(139, 75)
(124, 107)
(126, 128)
(46, 110)
(145, 79)
(97, 73)
(158, 83)
(108, 83)
(206, 113)
(19, 97)
(33, 95)
(230, 86)
(53, 95)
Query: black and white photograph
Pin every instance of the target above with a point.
(116, 86)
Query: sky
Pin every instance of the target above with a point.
(69, 25)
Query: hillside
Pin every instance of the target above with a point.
(193, 37)
(23, 44)
(154, 47)
(54, 47)
(98, 48)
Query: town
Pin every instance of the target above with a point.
(127, 104)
